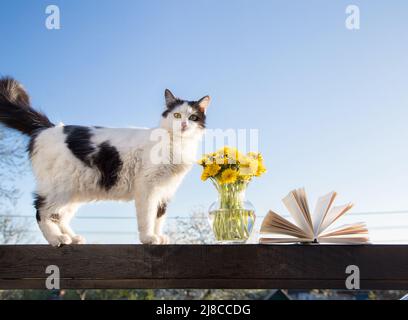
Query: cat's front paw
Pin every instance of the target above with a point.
(164, 239)
(78, 240)
(150, 239)
(61, 240)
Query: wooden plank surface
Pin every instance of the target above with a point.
(205, 266)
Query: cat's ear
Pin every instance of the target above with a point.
(170, 98)
(203, 103)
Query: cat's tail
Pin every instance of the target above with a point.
(16, 111)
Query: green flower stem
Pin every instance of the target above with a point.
(232, 222)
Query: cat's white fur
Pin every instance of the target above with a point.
(67, 182)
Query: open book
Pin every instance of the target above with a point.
(312, 228)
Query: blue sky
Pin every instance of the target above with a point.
(330, 104)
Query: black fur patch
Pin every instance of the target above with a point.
(161, 209)
(109, 164)
(39, 202)
(171, 106)
(200, 115)
(104, 157)
(79, 142)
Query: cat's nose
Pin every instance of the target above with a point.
(184, 125)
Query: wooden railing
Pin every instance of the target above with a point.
(205, 266)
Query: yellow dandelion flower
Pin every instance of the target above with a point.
(227, 155)
(242, 158)
(261, 169)
(234, 157)
(245, 177)
(206, 160)
(219, 158)
(212, 169)
(248, 167)
(204, 176)
(255, 156)
(229, 176)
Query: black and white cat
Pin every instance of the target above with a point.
(77, 164)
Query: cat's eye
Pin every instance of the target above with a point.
(193, 118)
(177, 115)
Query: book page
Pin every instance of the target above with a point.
(322, 207)
(300, 196)
(274, 223)
(334, 214)
(277, 240)
(345, 240)
(347, 230)
(297, 214)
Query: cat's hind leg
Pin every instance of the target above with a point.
(66, 214)
(48, 220)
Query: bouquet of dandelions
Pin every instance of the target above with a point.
(232, 218)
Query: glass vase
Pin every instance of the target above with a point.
(232, 218)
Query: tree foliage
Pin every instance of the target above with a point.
(13, 163)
